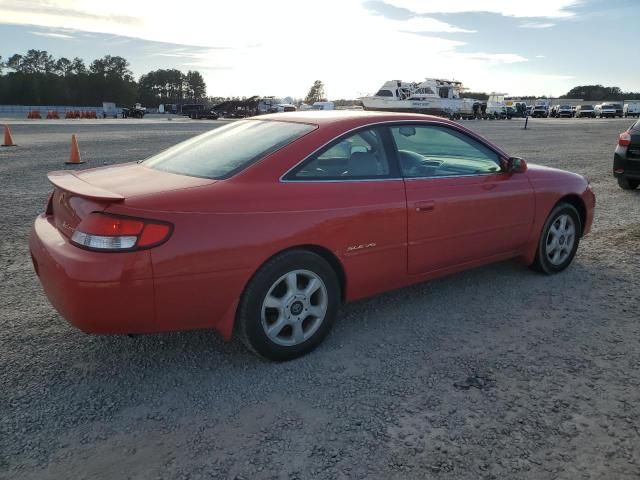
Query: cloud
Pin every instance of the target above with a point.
(494, 58)
(540, 56)
(537, 25)
(52, 35)
(247, 47)
(508, 8)
(426, 25)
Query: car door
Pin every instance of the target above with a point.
(357, 191)
(461, 206)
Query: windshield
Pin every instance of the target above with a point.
(586, 107)
(566, 107)
(227, 150)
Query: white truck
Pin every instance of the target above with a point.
(631, 109)
(323, 106)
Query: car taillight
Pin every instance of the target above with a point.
(624, 140)
(100, 231)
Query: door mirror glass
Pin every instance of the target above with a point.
(358, 149)
(516, 165)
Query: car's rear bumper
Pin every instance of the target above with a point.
(626, 167)
(96, 292)
(118, 293)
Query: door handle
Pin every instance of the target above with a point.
(426, 206)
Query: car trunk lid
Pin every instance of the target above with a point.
(77, 194)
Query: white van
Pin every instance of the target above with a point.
(323, 106)
(632, 109)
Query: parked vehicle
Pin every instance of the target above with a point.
(541, 109)
(585, 111)
(631, 109)
(619, 110)
(137, 111)
(564, 111)
(208, 113)
(626, 158)
(516, 109)
(190, 108)
(286, 107)
(605, 110)
(553, 111)
(264, 226)
(323, 106)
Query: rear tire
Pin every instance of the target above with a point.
(627, 184)
(559, 240)
(289, 306)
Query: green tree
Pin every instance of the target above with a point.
(78, 67)
(63, 67)
(14, 62)
(35, 61)
(595, 92)
(316, 93)
(195, 86)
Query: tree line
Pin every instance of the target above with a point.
(600, 93)
(37, 78)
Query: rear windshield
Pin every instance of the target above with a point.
(226, 150)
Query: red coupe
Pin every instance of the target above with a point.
(264, 226)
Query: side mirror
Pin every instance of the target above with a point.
(358, 149)
(516, 165)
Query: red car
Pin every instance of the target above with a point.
(264, 226)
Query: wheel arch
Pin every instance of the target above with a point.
(330, 257)
(576, 202)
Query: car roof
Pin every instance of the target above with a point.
(351, 117)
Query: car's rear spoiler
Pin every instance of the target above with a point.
(70, 182)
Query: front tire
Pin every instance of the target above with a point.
(559, 240)
(627, 184)
(289, 306)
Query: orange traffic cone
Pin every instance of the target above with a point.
(74, 157)
(8, 141)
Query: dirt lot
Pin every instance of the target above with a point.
(497, 373)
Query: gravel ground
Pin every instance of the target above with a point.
(496, 373)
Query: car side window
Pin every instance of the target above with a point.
(358, 156)
(434, 151)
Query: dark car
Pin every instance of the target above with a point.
(190, 108)
(208, 113)
(626, 159)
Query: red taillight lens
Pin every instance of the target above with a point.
(99, 224)
(624, 140)
(153, 234)
(99, 231)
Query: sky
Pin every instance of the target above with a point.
(279, 47)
